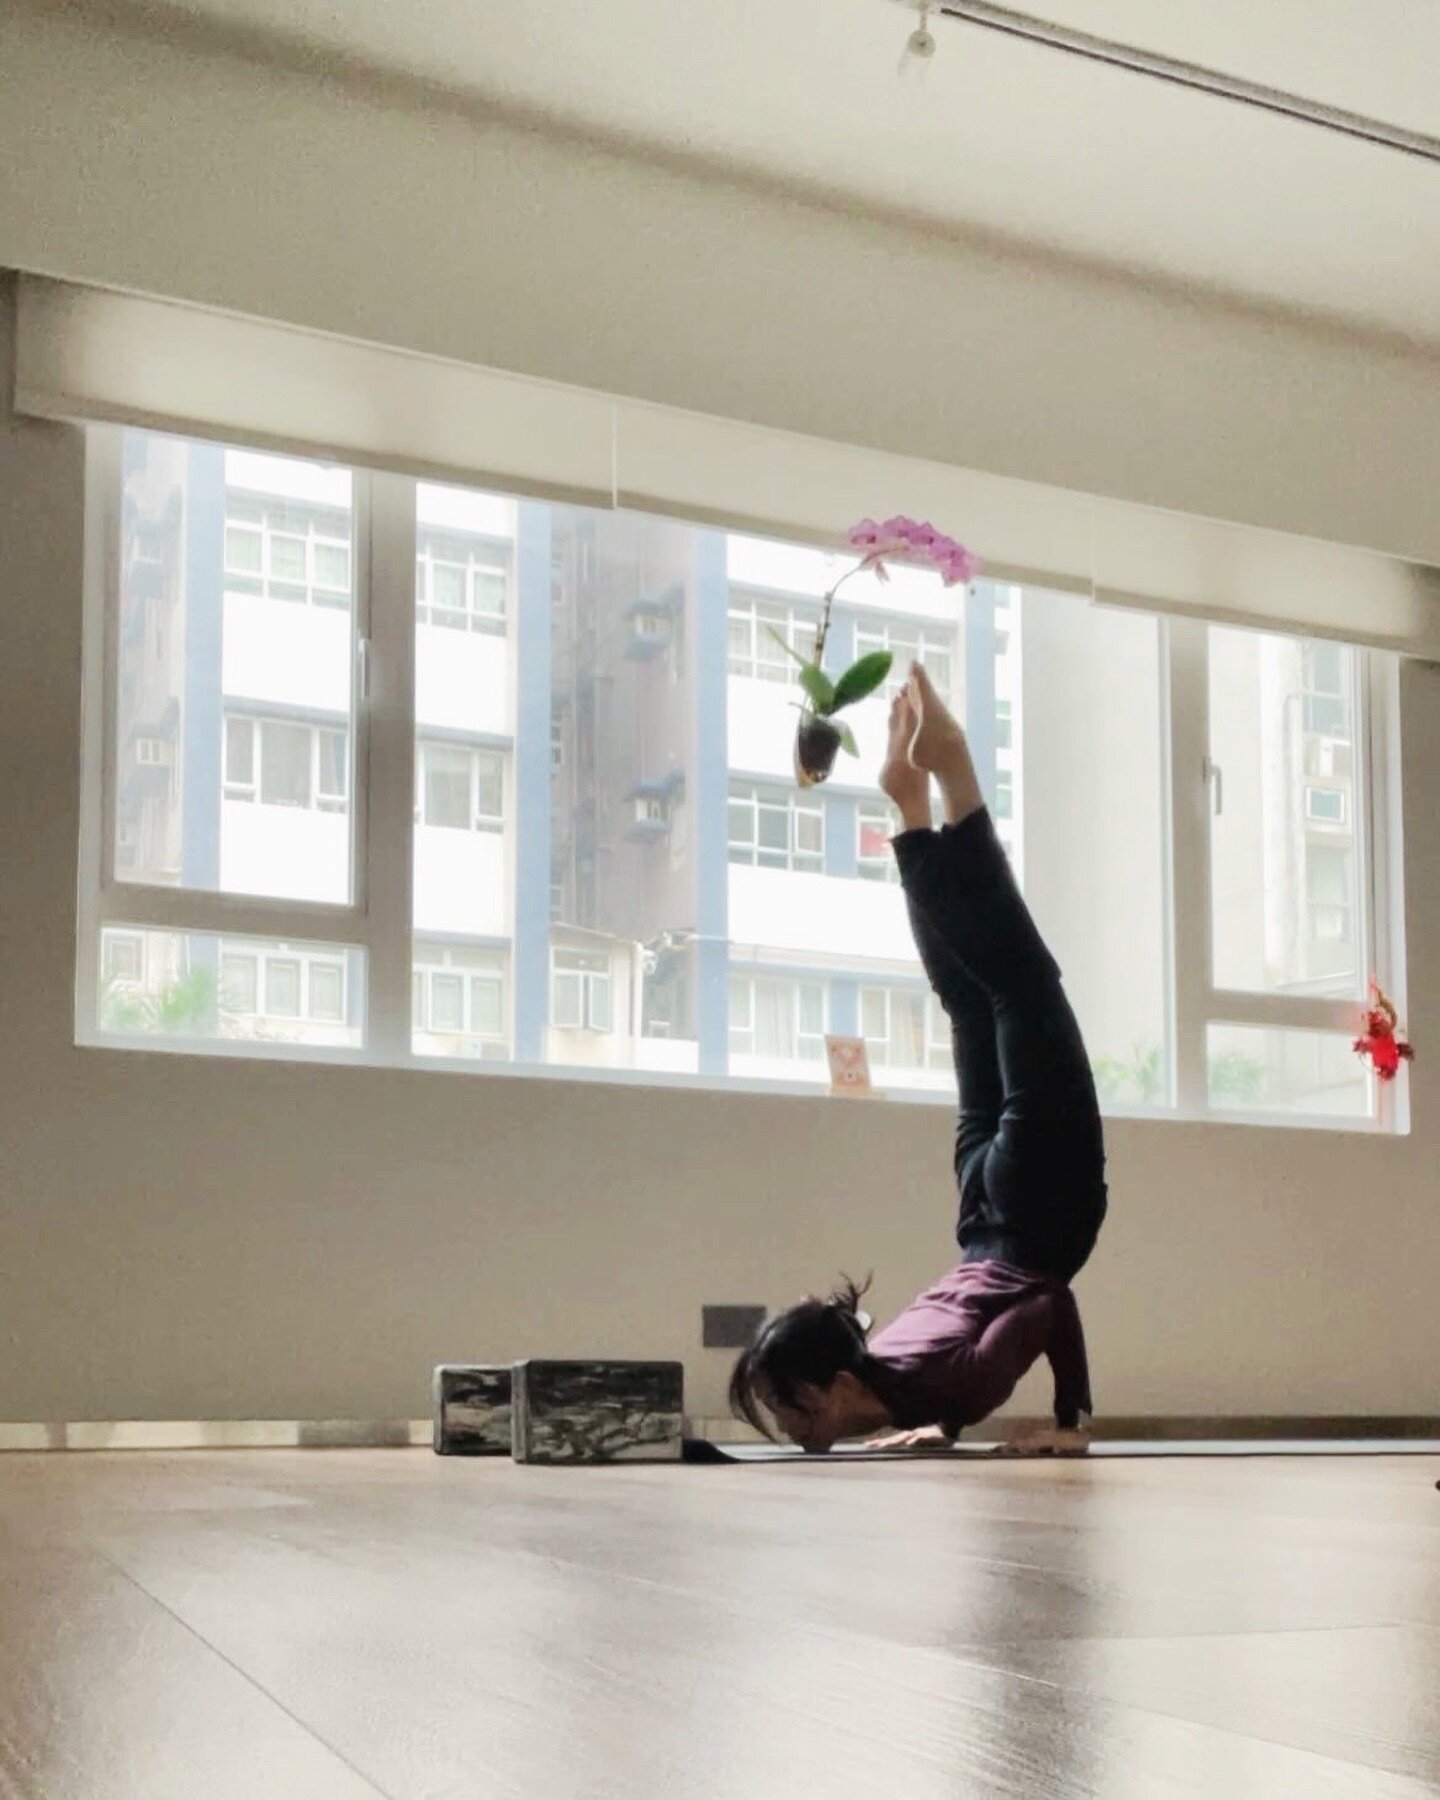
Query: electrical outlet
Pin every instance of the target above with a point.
(729, 1327)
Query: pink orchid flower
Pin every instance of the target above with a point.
(910, 540)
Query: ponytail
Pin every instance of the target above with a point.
(806, 1346)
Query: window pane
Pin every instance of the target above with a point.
(447, 787)
(282, 987)
(447, 1003)
(601, 1018)
(197, 985)
(242, 550)
(907, 1030)
(238, 982)
(773, 827)
(568, 1000)
(122, 956)
(490, 593)
(472, 685)
(487, 1006)
(874, 1015)
(240, 752)
(333, 770)
(1286, 915)
(284, 764)
(775, 1005)
(332, 566)
(447, 587)
(327, 991)
(1259, 1069)
(490, 785)
(1088, 784)
(212, 541)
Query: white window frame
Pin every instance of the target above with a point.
(591, 975)
(1196, 788)
(746, 981)
(317, 592)
(306, 958)
(383, 760)
(376, 919)
(249, 792)
(480, 563)
(797, 621)
(771, 797)
(479, 820)
(936, 1048)
(432, 961)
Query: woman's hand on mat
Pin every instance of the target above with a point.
(1047, 1440)
(928, 1437)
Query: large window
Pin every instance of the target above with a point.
(444, 785)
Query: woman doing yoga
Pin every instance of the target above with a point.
(1029, 1155)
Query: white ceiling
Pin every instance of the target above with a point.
(998, 135)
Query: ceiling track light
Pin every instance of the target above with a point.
(1174, 71)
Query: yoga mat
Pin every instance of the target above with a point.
(701, 1450)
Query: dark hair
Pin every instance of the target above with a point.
(806, 1346)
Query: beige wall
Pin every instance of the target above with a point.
(186, 1238)
(342, 207)
(191, 1238)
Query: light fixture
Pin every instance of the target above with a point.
(920, 45)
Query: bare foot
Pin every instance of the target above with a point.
(900, 779)
(939, 745)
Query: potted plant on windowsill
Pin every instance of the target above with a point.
(818, 739)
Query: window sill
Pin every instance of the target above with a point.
(359, 1057)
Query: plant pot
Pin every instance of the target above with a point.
(817, 743)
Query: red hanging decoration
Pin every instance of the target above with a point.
(1382, 1040)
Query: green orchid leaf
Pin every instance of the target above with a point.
(788, 647)
(818, 685)
(847, 740)
(862, 678)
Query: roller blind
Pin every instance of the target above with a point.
(87, 354)
(82, 353)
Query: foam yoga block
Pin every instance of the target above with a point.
(597, 1412)
(472, 1409)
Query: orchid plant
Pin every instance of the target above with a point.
(818, 738)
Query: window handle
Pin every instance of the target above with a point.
(363, 667)
(1215, 778)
